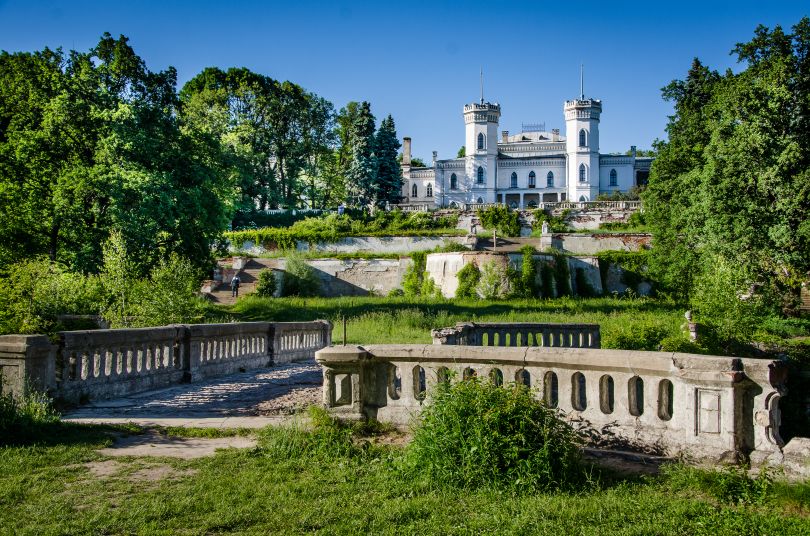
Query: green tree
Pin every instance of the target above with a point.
(732, 183)
(389, 172)
(362, 174)
(462, 152)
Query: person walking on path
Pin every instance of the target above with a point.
(235, 285)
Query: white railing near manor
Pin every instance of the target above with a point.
(591, 205)
(117, 362)
(707, 407)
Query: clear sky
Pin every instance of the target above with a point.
(419, 61)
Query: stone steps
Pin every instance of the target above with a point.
(249, 275)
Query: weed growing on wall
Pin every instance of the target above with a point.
(562, 275)
(528, 272)
(416, 281)
(475, 434)
(494, 282)
(299, 278)
(468, 278)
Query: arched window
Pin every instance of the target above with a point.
(614, 179)
(481, 144)
(583, 138)
(413, 191)
(582, 199)
(513, 182)
(480, 177)
(532, 179)
(550, 180)
(429, 190)
(453, 182)
(480, 200)
(583, 173)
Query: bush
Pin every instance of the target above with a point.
(299, 278)
(169, 296)
(266, 285)
(475, 434)
(555, 224)
(501, 218)
(494, 283)
(35, 292)
(639, 336)
(21, 418)
(468, 278)
(528, 273)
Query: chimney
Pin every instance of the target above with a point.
(435, 157)
(504, 136)
(555, 134)
(406, 151)
(633, 151)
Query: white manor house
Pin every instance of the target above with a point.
(524, 170)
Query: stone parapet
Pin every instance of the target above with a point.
(702, 407)
(520, 334)
(109, 363)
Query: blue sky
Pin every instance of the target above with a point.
(419, 61)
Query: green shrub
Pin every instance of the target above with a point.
(266, 285)
(415, 281)
(555, 224)
(647, 335)
(494, 283)
(22, 418)
(299, 278)
(679, 343)
(475, 434)
(35, 292)
(169, 296)
(501, 218)
(468, 278)
(528, 273)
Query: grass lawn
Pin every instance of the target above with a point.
(290, 483)
(635, 323)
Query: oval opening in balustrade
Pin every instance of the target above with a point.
(550, 390)
(496, 377)
(606, 394)
(522, 377)
(579, 399)
(419, 383)
(468, 373)
(394, 382)
(665, 400)
(443, 375)
(635, 396)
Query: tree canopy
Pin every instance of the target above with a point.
(731, 185)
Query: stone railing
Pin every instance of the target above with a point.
(591, 205)
(415, 207)
(706, 407)
(520, 334)
(116, 362)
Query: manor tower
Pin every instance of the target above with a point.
(481, 149)
(582, 147)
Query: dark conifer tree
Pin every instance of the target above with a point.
(389, 172)
(362, 175)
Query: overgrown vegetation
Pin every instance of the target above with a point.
(266, 285)
(556, 224)
(500, 218)
(416, 281)
(728, 188)
(636, 223)
(468, 278)
(299, 278)
(476, 434)
(25, 418)
(332, 227)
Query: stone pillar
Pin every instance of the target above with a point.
(349, 365)
(406, 151)
(26, 362)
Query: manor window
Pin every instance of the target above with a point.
(532, 179)
(413, 191)
(453, 182)
(480, 178)
(550, 180)
(481, 142)
(614, 179)
(513, 183)
(583, 138)
(429, 190)
(583, 173)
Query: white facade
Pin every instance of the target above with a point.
(525, 169)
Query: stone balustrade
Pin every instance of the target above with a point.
(117, 362)
(588, 205)
(520, 334)
(706, 407)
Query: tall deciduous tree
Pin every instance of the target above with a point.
(732, 183)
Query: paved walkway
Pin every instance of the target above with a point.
(244, 400)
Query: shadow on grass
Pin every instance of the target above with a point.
(61, 433)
